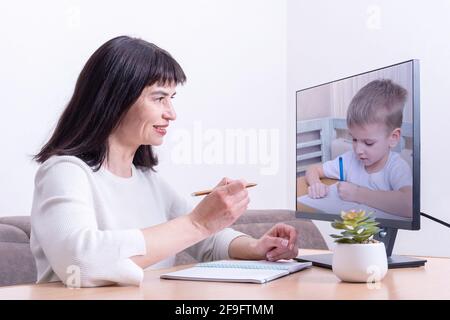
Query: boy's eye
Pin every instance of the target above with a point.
(366, 143)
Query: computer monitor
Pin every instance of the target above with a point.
(358, 147)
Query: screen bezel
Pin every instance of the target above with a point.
(414, 224)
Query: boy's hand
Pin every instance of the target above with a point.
(348, 191)
(317, 190)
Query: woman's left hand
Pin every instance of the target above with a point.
(280, 242)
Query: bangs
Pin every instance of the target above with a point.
(165, 70)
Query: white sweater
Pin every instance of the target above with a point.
(90, 222)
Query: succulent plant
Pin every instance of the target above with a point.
(357, 227)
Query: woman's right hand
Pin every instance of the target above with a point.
(222, 207)
(317, 190)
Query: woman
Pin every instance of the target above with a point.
(100, 212)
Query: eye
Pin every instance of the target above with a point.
(369, 144)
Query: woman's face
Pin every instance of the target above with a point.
(147, 120)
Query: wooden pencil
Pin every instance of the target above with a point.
(205, 192)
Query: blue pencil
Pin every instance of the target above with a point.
(341, 169)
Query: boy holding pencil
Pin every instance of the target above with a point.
(371, 174)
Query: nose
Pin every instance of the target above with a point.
(169, 112)
(359, 149)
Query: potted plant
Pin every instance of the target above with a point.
(357, 256)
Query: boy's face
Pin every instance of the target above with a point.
(372, 143)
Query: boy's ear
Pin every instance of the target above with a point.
(394, 138)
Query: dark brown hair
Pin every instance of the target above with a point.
(110, 82)
(379, 101)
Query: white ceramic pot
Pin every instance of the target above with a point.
(360, 262)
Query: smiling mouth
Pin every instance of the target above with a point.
(161, 129)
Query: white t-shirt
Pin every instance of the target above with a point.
(395, 174)
(92, 220)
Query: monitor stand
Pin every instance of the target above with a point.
(387, 236)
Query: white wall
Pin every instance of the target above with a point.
(244, 61)
(234, 55)
(328, 40)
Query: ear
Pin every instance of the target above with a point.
(394, 137)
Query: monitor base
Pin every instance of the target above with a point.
(325, 261)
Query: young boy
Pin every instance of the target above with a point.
(373, 174)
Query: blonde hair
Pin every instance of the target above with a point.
(379, 101)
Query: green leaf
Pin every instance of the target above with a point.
(338, 225)
(349, 233)
(361, 239)
(349, 222)
(363, 219)
(366, 233)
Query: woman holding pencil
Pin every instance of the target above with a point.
(101, 214)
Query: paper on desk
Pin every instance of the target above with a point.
(332, 203)
(238, 271)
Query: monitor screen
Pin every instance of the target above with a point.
(357, 147)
